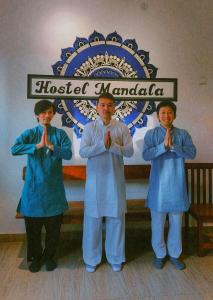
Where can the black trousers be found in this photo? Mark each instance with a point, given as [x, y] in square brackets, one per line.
[34, 226]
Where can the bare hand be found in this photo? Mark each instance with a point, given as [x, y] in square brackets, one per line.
[48, 144]
[42, 142]
[45, 141]
[107, 140]
[168, 139]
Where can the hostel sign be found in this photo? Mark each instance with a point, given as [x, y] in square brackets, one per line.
[95, 64]
[53, 87]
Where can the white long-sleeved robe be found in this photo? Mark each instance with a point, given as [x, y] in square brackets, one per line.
[105, 193]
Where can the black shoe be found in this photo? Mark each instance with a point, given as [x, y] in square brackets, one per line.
[180, 265]
[35, 266]
[50, 264]
[159, 263]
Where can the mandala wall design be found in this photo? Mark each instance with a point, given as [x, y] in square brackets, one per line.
[109, 57]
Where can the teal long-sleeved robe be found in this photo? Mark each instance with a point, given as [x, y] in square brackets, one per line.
[167, 185]
[43, 194]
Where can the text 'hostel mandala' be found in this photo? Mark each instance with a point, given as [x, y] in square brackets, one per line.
[109, 57]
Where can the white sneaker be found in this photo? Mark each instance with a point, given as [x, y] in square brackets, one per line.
[116, 267]
[90, 269]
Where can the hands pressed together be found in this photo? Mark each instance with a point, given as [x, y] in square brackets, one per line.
[107, 140]
[168, 139]
[45, 141]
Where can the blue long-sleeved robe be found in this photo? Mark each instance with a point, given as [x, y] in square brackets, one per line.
[43, 194]
[167, 185]
[105, 193]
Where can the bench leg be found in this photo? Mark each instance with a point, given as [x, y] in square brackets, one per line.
[186, 225]
[200, 238]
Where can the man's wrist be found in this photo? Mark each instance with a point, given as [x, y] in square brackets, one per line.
[50, 147]
[167, 147]
[38, 146]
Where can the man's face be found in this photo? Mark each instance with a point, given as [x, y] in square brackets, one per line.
[45, 117]
[166, 116]
[105, 108]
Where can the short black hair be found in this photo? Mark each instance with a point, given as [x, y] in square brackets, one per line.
[166, 103]
[106, 95]
[42, 106]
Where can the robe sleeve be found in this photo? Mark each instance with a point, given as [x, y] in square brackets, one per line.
[187, 150]
[87, 148]
[126, 149]
[150, 149]
[63, 150]
[22, 145]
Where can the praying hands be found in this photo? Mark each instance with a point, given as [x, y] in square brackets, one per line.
[45, 141]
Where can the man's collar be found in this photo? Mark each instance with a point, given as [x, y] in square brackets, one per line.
[41, 127]
[164, 128]
[102, 123]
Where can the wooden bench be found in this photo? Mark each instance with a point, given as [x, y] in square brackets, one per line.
[135, 207]
[199, 184]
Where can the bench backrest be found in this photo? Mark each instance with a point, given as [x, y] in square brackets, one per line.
[198, 177]
[78, 172]
[199, 182]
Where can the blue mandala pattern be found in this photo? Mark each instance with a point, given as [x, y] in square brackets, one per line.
[109, 57]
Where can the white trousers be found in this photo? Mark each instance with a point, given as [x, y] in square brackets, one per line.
[174, 239]
[114, 242]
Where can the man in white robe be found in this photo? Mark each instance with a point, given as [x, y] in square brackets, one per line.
[104, 143]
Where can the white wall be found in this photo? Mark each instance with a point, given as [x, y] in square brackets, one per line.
[178, 35]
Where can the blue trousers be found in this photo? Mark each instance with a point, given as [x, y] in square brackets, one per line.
[174, 239]
[114, 242]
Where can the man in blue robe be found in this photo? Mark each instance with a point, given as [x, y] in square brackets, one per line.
[43, 200]
[104, 143]
[167, 147]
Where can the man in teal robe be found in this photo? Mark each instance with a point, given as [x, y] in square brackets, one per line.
[43, 200]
